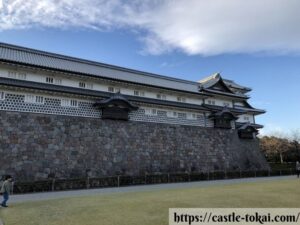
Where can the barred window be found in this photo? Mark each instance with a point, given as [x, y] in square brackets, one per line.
[161, 96]
[181, 99]
[49, 80]
[58, 81]
[82, 84]
[69, 103]
[139, 93]
[151, 111]
[22, 76]
[192, 116]
[29, 98]
[89, 86]
[114, 89]
[211, 102]
[172, 114]
[12, 74]
[39, 99]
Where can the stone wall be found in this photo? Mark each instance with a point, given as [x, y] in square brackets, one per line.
[36, 146]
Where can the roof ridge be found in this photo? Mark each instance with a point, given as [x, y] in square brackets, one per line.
[210, 77]
[91, 62]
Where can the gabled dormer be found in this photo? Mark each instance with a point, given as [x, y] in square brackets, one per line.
[215, 84]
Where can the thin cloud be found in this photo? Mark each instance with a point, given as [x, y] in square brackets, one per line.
[202, 27]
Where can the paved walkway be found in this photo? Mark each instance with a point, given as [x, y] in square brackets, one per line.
[140, 188]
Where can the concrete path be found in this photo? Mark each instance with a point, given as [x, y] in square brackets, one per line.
[140, 188]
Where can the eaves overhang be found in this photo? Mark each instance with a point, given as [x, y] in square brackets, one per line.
[220, 93]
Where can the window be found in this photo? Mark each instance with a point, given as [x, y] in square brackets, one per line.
[192, 116]
[211, 102]
[49, 80]
[22, 76]
[57, 81]
[246, 118]
[181, 99]
[16, 75]
[34, 99]
[12, 74]
[89, 86]
[226, 104]
[39, 99]
[82, 84]
[161, 96]
[29, 98]
[74, 103]
[151, 112]
[172, 114]
[69, 103]
[114, 89]
[139, 93]
[2, 95]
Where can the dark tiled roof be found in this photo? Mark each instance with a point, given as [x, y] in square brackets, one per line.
[245, 125]
[26, 56]
[231, 83]
[117, 97]
[255, 111]
[219, 108]
[207, 84]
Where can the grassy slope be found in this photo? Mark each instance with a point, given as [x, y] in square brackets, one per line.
[151, 207]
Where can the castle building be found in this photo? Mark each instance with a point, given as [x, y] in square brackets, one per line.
[67, 117]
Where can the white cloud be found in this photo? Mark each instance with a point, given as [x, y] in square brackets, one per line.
[195, 26]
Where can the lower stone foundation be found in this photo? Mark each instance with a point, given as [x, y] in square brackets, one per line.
[38, 146]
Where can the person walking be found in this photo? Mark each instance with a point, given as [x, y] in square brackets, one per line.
[298, 168]
[5, 190]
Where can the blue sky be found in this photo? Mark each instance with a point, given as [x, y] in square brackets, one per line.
[269, 63]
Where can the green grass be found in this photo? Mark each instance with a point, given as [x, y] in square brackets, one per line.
[151, 207]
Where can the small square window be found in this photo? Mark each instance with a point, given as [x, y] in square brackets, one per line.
[29, 98]
[39, 99]
[82, 84]
[139, 93]
[150, 111]
[114, 89]
[69, 103]
[74, 103]
[246, 118]
[89, 86]
[49, 80]
[22, 76]
[161, 96]
[192, 116]
[181, 99]
[58, 81]
[12, 74]
[172, 114]
[211, 102]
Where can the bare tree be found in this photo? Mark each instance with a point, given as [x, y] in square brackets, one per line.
[295, 138]
[275, 144]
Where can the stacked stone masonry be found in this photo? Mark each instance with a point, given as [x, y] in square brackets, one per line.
[36, 146]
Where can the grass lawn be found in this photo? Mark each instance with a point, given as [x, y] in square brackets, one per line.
[151, 207]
